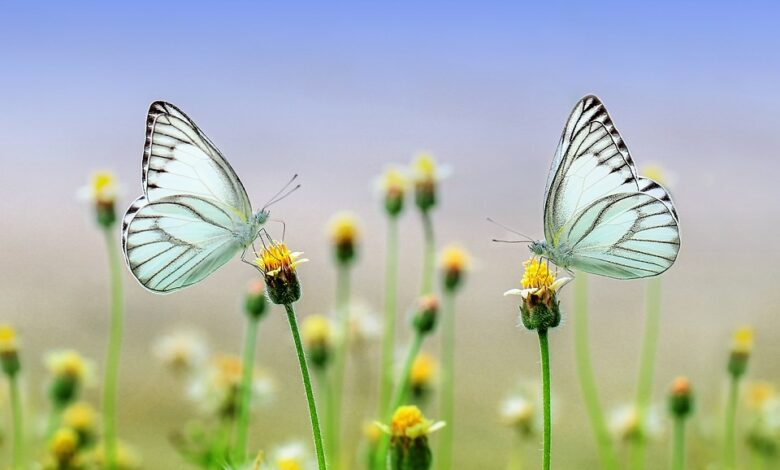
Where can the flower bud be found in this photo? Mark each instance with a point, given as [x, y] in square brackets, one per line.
[393, 186]
[316, 335]
[9, 351]
[741, 347]
[454, 263]
[681, 398]
[424, 320]
[344, 234]
[409, 432]
[278, 266]
[426, 176]
[256, 302]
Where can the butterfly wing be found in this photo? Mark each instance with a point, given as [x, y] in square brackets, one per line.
[177, 241]
[592, 171]
[180, 160]
[625, 236]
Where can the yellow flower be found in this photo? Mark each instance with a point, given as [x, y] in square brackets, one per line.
[316, 330]
[624, 423]
[343, 228]
[759, 394]
[80, 417]
[742, 341]
[409, 422]
[425, 169]
[372, 431]
[681, 387]
[8, 341]
[657, 173]
[537, 280]
[103, 188]
[278, 266]
[64, 444]
[70, 364]
[454, 261]
[423, 370]
[393, 182]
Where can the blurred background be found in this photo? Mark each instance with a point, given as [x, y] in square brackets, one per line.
[335, 92]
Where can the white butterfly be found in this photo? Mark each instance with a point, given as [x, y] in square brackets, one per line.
[194, 215]
[600, 216]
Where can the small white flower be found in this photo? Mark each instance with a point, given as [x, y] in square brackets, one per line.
[181, 351]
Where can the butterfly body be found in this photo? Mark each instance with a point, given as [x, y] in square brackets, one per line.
[194, 215]
[600, 216]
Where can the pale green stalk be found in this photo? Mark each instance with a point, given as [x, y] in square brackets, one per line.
[429, 253]
[18, 428]
[248, 364]
[730, 443]
[400, 395]
[326, 395]
[646, 367]
[544, 351]
[114, 348]
[585, 374]
[340, 362]
[678, 454]
[54, 420]
[315, 421]
[388, 335]
[448, 380]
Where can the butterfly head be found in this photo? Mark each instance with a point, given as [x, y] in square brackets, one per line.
[262, 216]
[538, 247]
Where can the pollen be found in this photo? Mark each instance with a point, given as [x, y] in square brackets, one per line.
[537, 275]
[278, 258]
[8, 341]
[406, 418]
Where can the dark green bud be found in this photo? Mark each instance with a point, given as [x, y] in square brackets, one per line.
[540, 311]
[256, 302]
[424, 320]
[410, 454]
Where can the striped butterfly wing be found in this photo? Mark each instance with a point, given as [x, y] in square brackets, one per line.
[180, 159]
[624, 236]
[592, 168]
[177, 241]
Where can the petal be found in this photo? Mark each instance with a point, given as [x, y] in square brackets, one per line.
[513, 292]
[555, 286]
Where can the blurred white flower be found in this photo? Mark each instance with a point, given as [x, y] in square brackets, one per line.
[181, 351]
[624, 423]
[290, 456]
[522, 410]
[217, 388]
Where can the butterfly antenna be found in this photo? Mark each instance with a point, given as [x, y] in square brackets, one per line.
[276, 197]
[283, 195]
[527, 238]
[499, 240]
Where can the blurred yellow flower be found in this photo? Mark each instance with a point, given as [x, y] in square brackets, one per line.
[519, 413]
[290, 456]
[8, 340]
[68, 363]
[63, 445]
[537, 280]
[759, 394]
[408, 421]
[742, 341]
[80, 417]
[372, 432]
[393, 182]
[127, 458]
[103, 188]
[423, 371]
[455, 258]
[624, 423]
[316, 330]
[343, 228]
[657, 173]
[425, 169]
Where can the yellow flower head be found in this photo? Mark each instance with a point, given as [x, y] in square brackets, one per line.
[126, 457]
[423, 370]
[424, 168]
[316, 329]
[343, 229]
[454, 258]
[80, 417]
[656, 173]
[289, 463]
[226, 371]
[393, 182]
[372, 431]
[69, 363]
[103, 187]
[277, 259]
[759, 394]
[742, 341]
[64, 444]
[8, 340]
[409, 422]
[537, 275]
[291, 456]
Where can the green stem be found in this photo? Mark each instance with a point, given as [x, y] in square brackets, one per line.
[328, 399]
[428, 254]
[585, 373]
[448, 380]
[315, 421]
[340, 362]
[54, 420]
[400, 395]
[678, 454]
[646, 367]
[16, 410]
[114, 348]
[388, 338]
[730, 444]
[544, 351]
[250, 342]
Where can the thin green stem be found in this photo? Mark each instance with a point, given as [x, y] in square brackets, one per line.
[250, 342]
[326, 396]
[646, 368]
[678, 453]
[448, 381]
[400, 395]
[18, 428]
[429, 253]
[114, 348]
[340, 362]
[544, 352]
[585, 374]
[315, 421]
[55, 417]
[730, 443]
[388, 335]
